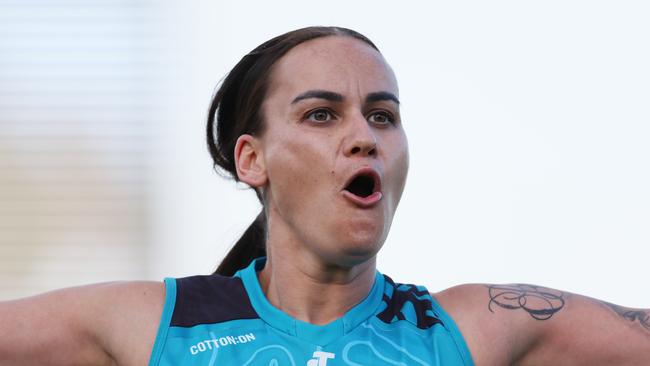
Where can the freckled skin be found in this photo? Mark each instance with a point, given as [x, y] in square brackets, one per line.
[308, 162]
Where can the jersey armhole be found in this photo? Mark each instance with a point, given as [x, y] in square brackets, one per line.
[449, 323]
[165, 321]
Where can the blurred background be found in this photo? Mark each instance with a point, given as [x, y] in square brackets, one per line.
[528, 125]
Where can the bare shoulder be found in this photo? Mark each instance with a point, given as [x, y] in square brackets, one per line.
[523, 324]
[493, 337]
[128, 320]
[103, 324]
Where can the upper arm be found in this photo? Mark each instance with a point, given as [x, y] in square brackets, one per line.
[490, 336]
[79, 326]
[592, 332]
[531, 325]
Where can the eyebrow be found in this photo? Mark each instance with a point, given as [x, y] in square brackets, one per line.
[382, 95]
[336, 97]
[319, 94]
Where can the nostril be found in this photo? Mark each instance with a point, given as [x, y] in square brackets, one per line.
[372, 152]
[355, 150]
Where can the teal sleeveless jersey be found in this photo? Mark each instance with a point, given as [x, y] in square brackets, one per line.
[216, 320]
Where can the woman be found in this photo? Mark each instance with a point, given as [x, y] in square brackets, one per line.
[310, 120]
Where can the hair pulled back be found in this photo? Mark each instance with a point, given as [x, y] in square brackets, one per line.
[235, 110]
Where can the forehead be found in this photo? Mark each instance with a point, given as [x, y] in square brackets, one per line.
[336, 63]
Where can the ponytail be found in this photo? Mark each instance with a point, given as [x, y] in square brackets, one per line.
[251, 245]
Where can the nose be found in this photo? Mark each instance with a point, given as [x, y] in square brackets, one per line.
[361, 139]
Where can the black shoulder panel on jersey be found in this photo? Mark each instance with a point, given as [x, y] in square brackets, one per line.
[210, 299]
[403, 294]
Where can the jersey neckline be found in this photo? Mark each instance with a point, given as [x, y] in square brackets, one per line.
[316, 334]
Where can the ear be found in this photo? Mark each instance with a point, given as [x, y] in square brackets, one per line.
[249, 161]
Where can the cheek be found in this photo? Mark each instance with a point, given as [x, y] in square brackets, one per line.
[398, 165]
[296, 172]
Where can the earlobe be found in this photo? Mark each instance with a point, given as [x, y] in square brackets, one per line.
[248, 161]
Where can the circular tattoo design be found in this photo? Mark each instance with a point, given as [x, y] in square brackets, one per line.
[541, 303]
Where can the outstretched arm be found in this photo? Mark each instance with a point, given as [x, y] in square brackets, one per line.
[520, 324]
[104, 324]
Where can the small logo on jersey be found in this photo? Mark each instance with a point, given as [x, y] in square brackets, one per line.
[215, 343]
[320, 358]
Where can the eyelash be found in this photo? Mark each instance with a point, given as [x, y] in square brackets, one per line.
[319, 110]
[390, 118]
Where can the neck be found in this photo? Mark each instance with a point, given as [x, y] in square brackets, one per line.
[307, 289]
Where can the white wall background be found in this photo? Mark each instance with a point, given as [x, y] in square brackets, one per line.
[528, 125]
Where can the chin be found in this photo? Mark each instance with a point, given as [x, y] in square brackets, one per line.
[355, 239]
[360, 246]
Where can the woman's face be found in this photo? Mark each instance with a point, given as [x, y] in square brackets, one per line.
[334, 151]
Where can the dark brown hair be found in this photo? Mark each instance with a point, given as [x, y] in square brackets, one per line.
[236, 110]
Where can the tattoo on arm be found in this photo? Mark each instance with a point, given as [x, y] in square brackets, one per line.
[632, 315]
[540, 302]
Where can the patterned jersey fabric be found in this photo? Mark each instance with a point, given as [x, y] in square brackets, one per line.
[216, 320]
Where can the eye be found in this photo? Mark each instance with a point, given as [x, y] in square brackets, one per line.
[319, 115]
[381, 118]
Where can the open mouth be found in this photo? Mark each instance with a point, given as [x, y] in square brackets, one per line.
[364, 188]
[362, 185]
